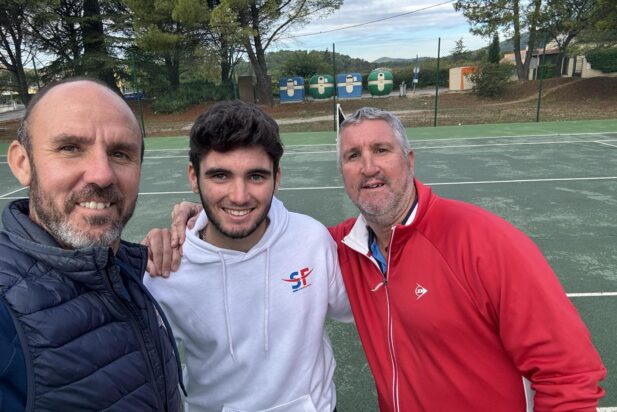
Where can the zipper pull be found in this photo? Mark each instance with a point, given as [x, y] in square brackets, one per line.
[379, 285]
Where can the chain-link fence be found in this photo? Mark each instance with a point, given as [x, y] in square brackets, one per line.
[449, 85]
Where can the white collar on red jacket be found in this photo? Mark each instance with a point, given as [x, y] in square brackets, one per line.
[357, 238]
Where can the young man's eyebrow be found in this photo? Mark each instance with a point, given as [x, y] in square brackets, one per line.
[259, 170]
[215, 170]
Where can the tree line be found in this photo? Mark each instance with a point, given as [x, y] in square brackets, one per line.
[163, 41]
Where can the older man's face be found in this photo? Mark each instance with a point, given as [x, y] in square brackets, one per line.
[85, 164]
[376, 173]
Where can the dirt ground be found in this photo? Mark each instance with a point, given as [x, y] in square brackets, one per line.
[562, 99]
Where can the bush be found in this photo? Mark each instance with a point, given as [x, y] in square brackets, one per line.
[492, 80]
[548, 70]
[426, 77]
[189, 94]
[604, 60]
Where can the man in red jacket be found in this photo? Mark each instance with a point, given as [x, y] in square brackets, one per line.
[456, 309]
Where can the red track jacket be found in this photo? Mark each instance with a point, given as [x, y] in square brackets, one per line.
[469, 309]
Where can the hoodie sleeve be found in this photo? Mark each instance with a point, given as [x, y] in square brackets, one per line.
[338, 303]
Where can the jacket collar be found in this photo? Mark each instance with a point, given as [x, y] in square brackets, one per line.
[358, 236]
[16, 220]
[78, 264]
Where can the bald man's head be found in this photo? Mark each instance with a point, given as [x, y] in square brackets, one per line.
[80, 151]
[23, 134]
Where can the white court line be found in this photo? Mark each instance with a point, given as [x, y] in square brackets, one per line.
[167, 157]
[14, 191]
[433, 140]
[424, 140]
[604, 142]
[591, 294]
[511, 144]
[516, 136]
[166, 150]
[427, 147]
[608, 409]
[184, 156]
[472, 145]
[565, 179]
[478, 182]
[475, 138]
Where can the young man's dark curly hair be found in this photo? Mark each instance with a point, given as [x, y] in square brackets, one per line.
[231, 125]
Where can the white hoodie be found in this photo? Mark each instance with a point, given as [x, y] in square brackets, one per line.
[252, 329]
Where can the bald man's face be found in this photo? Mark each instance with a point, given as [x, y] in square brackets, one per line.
[85, 164]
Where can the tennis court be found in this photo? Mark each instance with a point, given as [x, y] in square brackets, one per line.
[555, 181]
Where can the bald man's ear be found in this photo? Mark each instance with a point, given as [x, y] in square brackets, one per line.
[19, 162]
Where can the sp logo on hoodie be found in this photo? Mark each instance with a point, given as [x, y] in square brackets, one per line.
[298, 279]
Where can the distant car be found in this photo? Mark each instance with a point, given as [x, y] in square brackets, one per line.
[134, 95]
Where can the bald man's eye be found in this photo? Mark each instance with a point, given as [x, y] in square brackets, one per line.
[69, 148]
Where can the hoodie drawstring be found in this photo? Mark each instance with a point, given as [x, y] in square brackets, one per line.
[267, 302]
[226, 303]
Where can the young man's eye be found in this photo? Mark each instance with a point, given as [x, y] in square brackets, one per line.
[257, 178]
[218, 176]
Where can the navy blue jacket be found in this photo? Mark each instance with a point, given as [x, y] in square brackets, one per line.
[86, 334]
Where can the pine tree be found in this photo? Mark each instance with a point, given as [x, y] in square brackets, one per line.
[494, 53]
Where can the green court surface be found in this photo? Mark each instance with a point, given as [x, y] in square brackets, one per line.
[555, 181]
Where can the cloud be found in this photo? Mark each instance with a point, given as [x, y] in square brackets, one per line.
[398, 35]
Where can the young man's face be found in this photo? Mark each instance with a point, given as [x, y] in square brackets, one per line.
[84, 166]
[236, 190]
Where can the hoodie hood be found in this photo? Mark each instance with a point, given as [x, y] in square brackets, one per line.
[201, 252]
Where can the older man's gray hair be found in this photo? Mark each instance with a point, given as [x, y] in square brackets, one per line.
[372, 113]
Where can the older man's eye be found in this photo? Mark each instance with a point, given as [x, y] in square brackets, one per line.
[121, 155]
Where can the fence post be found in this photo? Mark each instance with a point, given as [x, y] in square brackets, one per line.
[141, 110]
[437, 82]
[334, 111]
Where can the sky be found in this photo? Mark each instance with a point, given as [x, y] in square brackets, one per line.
[416, 32]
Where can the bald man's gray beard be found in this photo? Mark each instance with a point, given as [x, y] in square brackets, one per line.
[58, 224]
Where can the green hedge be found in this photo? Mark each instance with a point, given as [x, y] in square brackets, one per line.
[604, 59]
[189, 94]
[426, 76]
[492, 80]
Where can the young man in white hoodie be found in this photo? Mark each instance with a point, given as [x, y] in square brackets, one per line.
[256, 282]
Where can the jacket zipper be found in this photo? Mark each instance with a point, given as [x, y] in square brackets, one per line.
[140, 338]
[395, 399]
